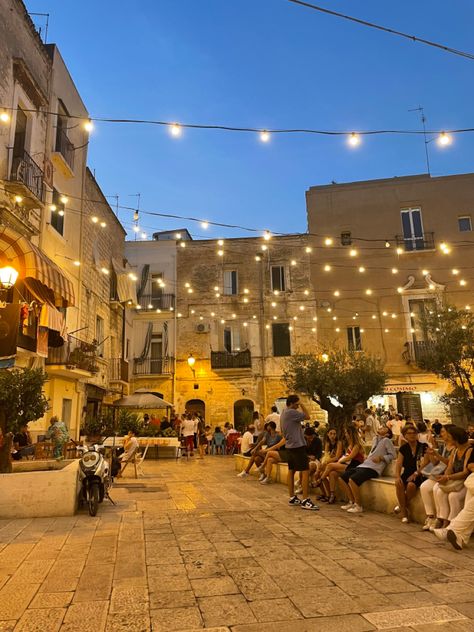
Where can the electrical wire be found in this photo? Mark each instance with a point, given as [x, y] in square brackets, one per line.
[386, 29]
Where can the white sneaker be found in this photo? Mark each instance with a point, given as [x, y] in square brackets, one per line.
[347, 507]
[242, 474]
[298, 489]
[396, 509]
[441, 534]
[355, 509]
[262, 476]
[266, 481]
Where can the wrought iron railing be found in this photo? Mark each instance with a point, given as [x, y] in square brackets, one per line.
[234, 360]
[415, 244]
[417, 351]
[118, 370]
[148, 302]
[64, 147]
[153, 366]
[25, 170]
[75, 353]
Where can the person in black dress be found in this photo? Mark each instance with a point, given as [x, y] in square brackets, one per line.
[410, 461]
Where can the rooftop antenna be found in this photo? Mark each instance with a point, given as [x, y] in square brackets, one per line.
[421, 110]
[43, 15]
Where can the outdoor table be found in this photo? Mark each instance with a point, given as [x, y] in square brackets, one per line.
[162, 445]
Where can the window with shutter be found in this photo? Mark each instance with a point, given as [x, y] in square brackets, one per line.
[278, 278]
[281, 339]
[354, 341]
[230, 282]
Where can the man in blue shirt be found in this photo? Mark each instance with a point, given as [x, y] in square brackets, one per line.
[295, 443]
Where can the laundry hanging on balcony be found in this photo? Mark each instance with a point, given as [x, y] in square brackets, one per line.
[146, 348]
[125, 289]
[143, 280]
[31, 262]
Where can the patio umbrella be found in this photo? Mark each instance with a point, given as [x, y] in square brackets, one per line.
[142, 400]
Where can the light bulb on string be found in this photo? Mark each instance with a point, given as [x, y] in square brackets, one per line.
[135, 216]
[361, 269]
[328, 241]
[143, 235]
[175, 130]
[77, 263]
[454, 271]
[89, 126]
[136, 229]
[354, 139]
[444, 139]
[394, 270]
[95, 219]
[264, 136]
[63, 199]
[205, 225]
[102, 224]
[327, 268]
[399, 251]
[387, 244]
[61, 213]
[53, 207]
[267, 235]
[353, 252]
[4, 117]
[18, 199]
[293, 262]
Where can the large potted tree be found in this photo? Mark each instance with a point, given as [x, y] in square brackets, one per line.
[336, 379]
[21, 400]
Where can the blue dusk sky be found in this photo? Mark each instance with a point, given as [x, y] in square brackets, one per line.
[264, 64]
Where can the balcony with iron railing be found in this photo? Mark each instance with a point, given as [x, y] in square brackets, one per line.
[148, 302]
[231, 360]
[417, 351]
[26, 177]
[65, 148]
[416, 244]
[153, 366]
[74, 354]
[118, 370]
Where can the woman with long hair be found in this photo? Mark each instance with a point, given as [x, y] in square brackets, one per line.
[353, 456]
[410, 461]
[332, 451]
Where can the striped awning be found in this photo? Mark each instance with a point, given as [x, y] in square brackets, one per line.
[30, 262]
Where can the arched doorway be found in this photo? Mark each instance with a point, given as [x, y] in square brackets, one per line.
[196, 406]
[243, 409]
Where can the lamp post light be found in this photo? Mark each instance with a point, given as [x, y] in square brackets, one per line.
[8, 277]
[191, 363]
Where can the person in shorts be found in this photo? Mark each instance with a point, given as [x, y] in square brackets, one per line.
[295, 443]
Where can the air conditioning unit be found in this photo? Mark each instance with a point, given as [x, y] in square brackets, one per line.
[202, 328]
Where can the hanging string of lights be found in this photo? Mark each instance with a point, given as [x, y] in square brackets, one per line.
[353, 137]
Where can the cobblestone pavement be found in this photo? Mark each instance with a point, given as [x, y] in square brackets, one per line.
[191, 546]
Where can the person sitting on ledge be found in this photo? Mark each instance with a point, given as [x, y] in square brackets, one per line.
[269, 439]
[461, 527]
[381, 454]
[246, 443]
[22, 443]
[314, 449]
[410, 462]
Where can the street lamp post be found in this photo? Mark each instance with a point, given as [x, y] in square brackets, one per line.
[8, 277]
[191, 363]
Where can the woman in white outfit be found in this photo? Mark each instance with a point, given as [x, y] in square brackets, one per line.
[449, 492]
[437, 460]
[460, 529]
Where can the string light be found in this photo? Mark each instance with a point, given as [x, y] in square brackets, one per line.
[400, 290]
[462, 282]
[327, 268]
[387, 244]
[257, 258]
[445, 249]
[143, 235]
[132, 276]
[177, 235]
[53, 207]
[425, 272]
[4, 117]
[136, 229]
[220, 253]
[394, 270]
[263, 247]
[361, 269]
[105, 271]
[306, 292]
[399, 251]
[337, 293]
[182, 244]
[368, 292]
[102, 224]
[175, 129]
[353, 252]
[18, 199]
[308, 249]
[220, 242]
[454, 271]
[61, 213]
[205, 225]
[264, 136]
[267, 235]
[444, 139]
[63, 199]
[94, 219]
[328, 241]
[77, 263]
[89, 126]
[354, 139]
[293, 262]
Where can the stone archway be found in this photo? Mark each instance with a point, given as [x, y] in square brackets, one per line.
[243, 409]
[196, 406]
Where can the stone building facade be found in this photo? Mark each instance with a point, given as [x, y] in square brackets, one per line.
[47, 231]
[243, 307]
[384, 250]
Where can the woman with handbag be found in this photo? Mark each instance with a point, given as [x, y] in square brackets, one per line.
[449, 491]
[460, 529]
[409, 464]
[437, 464]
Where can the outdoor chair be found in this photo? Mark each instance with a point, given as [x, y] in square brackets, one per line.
[233, 443]
[44, 450]
[218, 443]
[70, 450]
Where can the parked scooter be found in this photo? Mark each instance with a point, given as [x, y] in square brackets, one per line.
[96, 479]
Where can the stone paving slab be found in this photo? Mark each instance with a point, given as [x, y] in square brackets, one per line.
[211, 551]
